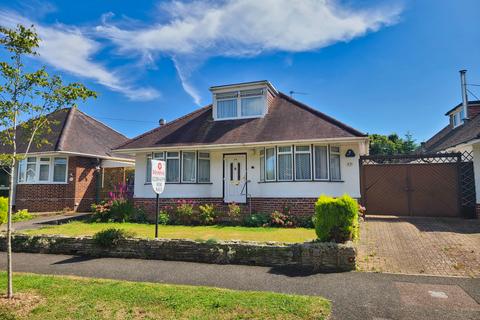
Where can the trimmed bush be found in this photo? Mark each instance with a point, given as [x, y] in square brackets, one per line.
[336, 219]
[163, 218]
[109, 238]
[21, 215]
[207, 214]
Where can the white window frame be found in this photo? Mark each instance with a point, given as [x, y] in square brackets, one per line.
[339, 153]
[291, 158]
[239, 95]
[274, 165]
[194, 166]
[309, 152]
[179, 158]
[200, 157]
[51, 167]
[328, 162]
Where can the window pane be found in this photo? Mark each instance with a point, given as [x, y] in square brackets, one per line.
[21, 170]
[148, 173]
[204, 155]
[321, 165]
[203, 170]
[173, 170]
[44, 172]
[302, 148]
[60, 170]
[302, 166]
[285, 167]
[252, 106]
[335, 167]
[158, 155]
[174, 154]
[31, 172]
[270, 164]
[285, 149]
[188, 166]
[227, 108]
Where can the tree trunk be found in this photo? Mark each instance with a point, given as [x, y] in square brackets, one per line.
[9, 233]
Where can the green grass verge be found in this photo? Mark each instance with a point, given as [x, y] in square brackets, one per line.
[184, 232]
[81, 298]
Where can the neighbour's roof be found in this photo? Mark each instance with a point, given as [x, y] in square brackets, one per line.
[450, 137]
[73, 131]
[286, 120]
[470, 103]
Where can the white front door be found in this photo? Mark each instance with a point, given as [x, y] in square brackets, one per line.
[235, 178]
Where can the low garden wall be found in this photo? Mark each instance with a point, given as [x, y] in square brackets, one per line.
[326, 257]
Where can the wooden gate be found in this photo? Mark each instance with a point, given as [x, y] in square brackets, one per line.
[413, 185]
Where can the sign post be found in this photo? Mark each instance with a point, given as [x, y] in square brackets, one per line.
[158, 184]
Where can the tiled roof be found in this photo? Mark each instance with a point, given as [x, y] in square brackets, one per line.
[74, 131]
[286, 120]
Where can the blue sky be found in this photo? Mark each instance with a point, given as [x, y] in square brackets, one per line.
[379, 66]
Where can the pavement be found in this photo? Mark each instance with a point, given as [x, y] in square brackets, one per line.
[46, 219]
[355, 295]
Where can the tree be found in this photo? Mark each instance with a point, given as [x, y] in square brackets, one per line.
[392, 144]
[26, 98]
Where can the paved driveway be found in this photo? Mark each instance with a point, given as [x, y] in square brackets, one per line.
[413, 245]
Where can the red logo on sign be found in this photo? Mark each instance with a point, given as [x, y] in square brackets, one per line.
[159, 166]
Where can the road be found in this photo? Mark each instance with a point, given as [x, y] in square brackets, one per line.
[355, 295]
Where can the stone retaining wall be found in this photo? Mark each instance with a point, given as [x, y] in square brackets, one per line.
[327, 257]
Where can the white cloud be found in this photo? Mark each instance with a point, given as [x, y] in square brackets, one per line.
[69, 49]
[203, 29]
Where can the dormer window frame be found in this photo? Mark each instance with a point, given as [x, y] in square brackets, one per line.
[457, 118]
[239, 96]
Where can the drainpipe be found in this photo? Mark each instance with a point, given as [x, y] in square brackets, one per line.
[463, 81]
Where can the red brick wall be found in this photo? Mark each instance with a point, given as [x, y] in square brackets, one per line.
[298, 206]
[76, 195]
[473, 111]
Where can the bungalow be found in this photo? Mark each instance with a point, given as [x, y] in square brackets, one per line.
[65, 172]
[253, 146]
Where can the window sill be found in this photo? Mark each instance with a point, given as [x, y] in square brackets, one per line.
[298, 181]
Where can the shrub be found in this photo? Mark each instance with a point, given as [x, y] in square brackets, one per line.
[21, 215]
[279, 219]
[120, 210]
[233, 211]
[3, 209]
[163, 218]
[305, 222]
[101, 211]
[256, 220]
[184, 212]
[336, 219]
[207, 215]
[109, 238]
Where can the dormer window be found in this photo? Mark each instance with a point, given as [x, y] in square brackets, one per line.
[240, 104]
[457, 118]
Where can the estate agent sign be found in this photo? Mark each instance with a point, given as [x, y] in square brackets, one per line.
[158, 184]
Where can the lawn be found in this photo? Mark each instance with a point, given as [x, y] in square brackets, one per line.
[184, 232]
[59, 297]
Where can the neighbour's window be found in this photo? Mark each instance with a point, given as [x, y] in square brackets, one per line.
[188, 166]
[335, 163]
[321, 162]
[42, 170]
[270, 164]
[173, 166]
[285, 163]
[252, 102]
[227, 105]
[302, 163]
[60, 170]
[262, 165]
[203, 167]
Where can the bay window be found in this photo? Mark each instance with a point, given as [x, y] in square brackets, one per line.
[285, 163]
[303, 170]
[188, 166]
[42, 170]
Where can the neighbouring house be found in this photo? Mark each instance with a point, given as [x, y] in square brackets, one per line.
[462, 134]
[253, 146]
[66, 172]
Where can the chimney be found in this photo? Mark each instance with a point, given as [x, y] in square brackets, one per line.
[162, 122]
[463, 81]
